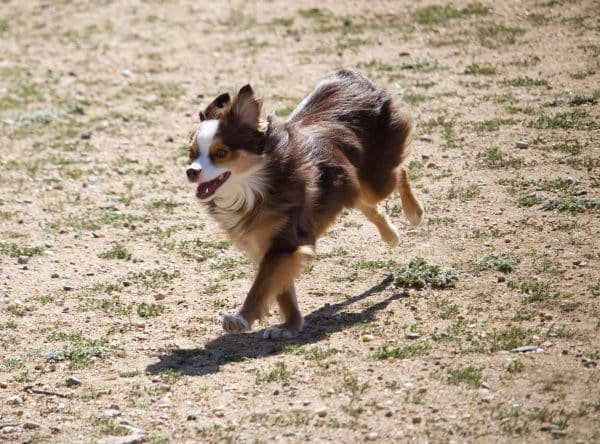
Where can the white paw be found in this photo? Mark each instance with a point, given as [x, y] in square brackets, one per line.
[415, 219]
[234, 323]
[278, 333]
[392, 238]
[415, 216]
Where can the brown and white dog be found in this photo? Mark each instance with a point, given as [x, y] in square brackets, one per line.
[275, 187]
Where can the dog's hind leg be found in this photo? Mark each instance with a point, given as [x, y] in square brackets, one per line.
[388, 232]
[413, 210]
[292, 318]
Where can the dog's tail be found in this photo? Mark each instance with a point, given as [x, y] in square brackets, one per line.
[413, 210]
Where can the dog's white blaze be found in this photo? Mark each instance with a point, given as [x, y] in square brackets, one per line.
[204, 138]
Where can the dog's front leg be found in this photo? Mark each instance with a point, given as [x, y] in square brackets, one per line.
[275, 276]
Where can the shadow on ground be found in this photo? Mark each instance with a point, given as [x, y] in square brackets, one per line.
[235, 348]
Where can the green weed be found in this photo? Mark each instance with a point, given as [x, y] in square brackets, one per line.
[107, 426]
[576, 119]
[494, 158]
[146, 310]
[510, 338]
[386, 351]
[463, 194]
[492, 125]
[118, 251]
[162, 204]
[14, 250]
[523, 82]
[476, 69]
[492, 35]
[81, 352]
[535, 291]
[279, 373]
[437, 15]
[501, 262]
[419, 274]
[470, 376]
[169, 376]
[571, 204]
[154, 278]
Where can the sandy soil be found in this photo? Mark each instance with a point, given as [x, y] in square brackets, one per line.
[111, 275]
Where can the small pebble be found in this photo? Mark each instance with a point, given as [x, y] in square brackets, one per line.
[23, 260]
[417, 420]
[164, 402]
[413, 335]
[367, 338]
[372, 436]
[86, 135]
[321, 412]
[73, 381]
[140, 325]
[15, 400]
[522, 144]
[158, 297]
[31, 425]
[111, 413]
[526, 349]
[129, 439]
[68, 287]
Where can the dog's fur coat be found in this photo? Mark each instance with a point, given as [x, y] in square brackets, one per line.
[276, 187]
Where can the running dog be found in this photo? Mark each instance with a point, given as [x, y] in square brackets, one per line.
[275, 187]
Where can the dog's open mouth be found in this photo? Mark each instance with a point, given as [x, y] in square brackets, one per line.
[207, 189]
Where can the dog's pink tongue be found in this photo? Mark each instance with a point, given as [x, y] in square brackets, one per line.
[207, 189]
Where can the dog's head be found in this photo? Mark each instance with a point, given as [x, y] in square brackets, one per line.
[226, 149]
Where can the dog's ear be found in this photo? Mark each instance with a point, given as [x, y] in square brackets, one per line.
[217, 108]
[222, 100]
[247, 107]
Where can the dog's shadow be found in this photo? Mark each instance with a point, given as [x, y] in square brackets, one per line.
[241, 347]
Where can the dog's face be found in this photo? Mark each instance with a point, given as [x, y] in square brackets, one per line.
[225, 149]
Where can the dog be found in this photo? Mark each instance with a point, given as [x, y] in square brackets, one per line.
[275, 187]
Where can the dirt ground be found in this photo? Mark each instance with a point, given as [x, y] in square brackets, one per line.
[111, 274]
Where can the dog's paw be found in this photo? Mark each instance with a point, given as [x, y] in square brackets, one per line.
[278, 333]
[234, 323]
[392, 237]
[415, 215]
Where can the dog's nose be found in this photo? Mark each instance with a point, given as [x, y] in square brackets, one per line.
[192, 174]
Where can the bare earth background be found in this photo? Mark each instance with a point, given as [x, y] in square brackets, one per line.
[111, 275]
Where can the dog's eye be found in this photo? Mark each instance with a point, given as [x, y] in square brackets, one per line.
[221, 153]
